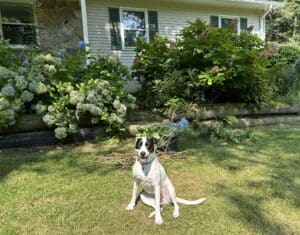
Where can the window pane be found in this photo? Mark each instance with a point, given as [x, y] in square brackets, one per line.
[228, 23]
[19, 34]
[131, 37]
[16, 14]
[134, 19]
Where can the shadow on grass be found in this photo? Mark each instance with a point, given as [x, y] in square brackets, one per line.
[249, 212]
[74, 158]
[276, 152]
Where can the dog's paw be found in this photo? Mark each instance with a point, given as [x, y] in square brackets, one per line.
[158, 220]
[176, 214]
[130, 207]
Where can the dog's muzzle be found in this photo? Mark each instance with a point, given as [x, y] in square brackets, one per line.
[142, 157]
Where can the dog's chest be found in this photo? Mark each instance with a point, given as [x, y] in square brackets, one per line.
[145, 177]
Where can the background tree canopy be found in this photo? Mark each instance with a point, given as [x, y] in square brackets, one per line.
[284, 23]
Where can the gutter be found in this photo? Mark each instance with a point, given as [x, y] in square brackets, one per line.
[85, 27]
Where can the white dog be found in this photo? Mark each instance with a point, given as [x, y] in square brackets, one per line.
[157, 188]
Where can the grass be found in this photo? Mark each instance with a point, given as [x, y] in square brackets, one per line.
[252, 188]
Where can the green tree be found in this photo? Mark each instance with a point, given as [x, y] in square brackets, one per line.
[284, 23]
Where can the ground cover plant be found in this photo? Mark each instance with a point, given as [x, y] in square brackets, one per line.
[252, 188]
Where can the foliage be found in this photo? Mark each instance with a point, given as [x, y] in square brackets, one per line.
[8, 58]
[64, 93]
[14, 93]
[164, 133]
[285, 74]
[284, 23]
[220, 132]
[285, 54]
[205, 65]
[153, 61]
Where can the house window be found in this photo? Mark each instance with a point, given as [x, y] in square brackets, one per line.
[230, 22]
[134, 27]
[129, 25]
[17, 24]
[240, 24]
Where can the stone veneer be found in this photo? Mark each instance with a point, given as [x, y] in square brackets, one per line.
[59, 23]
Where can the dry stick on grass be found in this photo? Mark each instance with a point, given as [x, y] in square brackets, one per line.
[126, 160]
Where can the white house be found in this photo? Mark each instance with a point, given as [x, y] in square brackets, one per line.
[111, 27]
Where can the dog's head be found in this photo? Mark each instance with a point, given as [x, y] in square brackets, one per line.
[145, 148]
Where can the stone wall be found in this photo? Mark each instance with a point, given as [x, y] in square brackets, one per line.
[59, 23]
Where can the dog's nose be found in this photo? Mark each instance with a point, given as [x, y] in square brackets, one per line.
[143, 154]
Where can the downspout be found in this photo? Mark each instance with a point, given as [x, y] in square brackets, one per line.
[263, 20]
[85, 27]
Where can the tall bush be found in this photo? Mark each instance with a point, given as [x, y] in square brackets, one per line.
[205, 64]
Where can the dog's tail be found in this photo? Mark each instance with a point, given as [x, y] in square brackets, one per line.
[188, 202]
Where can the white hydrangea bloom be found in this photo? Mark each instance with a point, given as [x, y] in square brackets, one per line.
[17, 104]
[10, 114]
[60, 132]
[41, 88]
[8, 90]
[32, 85]
[76, 97]
[21, 83]
[116, 119]
[73, 128]
[6, 74]
[50, 68]
[95, 111]
[105, 92]
[49, 119]
[91, 96]
[122, 110]
[4, 103]
[106, 84]
[116, 104]
[26, 96]
[40, 108]
[51, 109]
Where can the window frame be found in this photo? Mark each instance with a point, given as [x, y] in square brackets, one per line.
[34, 23]
[220, 17]
[122, 28]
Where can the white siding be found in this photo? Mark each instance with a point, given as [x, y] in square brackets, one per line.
[171, 19]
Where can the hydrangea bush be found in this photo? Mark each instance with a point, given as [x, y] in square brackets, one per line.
[54, 90]
[12, 97]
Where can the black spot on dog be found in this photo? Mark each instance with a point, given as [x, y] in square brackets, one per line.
[150, 141]
[138, 143]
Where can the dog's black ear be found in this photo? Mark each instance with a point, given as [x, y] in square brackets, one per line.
[154, 140]
[138, 142]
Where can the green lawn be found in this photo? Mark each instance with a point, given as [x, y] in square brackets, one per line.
[253, 188]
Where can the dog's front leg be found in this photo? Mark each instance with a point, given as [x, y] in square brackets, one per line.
[131, 205]
[158, 218]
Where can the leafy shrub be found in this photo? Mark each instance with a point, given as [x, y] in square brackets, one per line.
[63, 95]
[285, 72]
[219, 132]
[8, 58]
[205, 65]
[152, 62]
[99, 96]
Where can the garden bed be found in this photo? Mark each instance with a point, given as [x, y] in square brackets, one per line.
[31, 131]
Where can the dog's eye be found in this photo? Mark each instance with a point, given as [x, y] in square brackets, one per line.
[147, 144]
